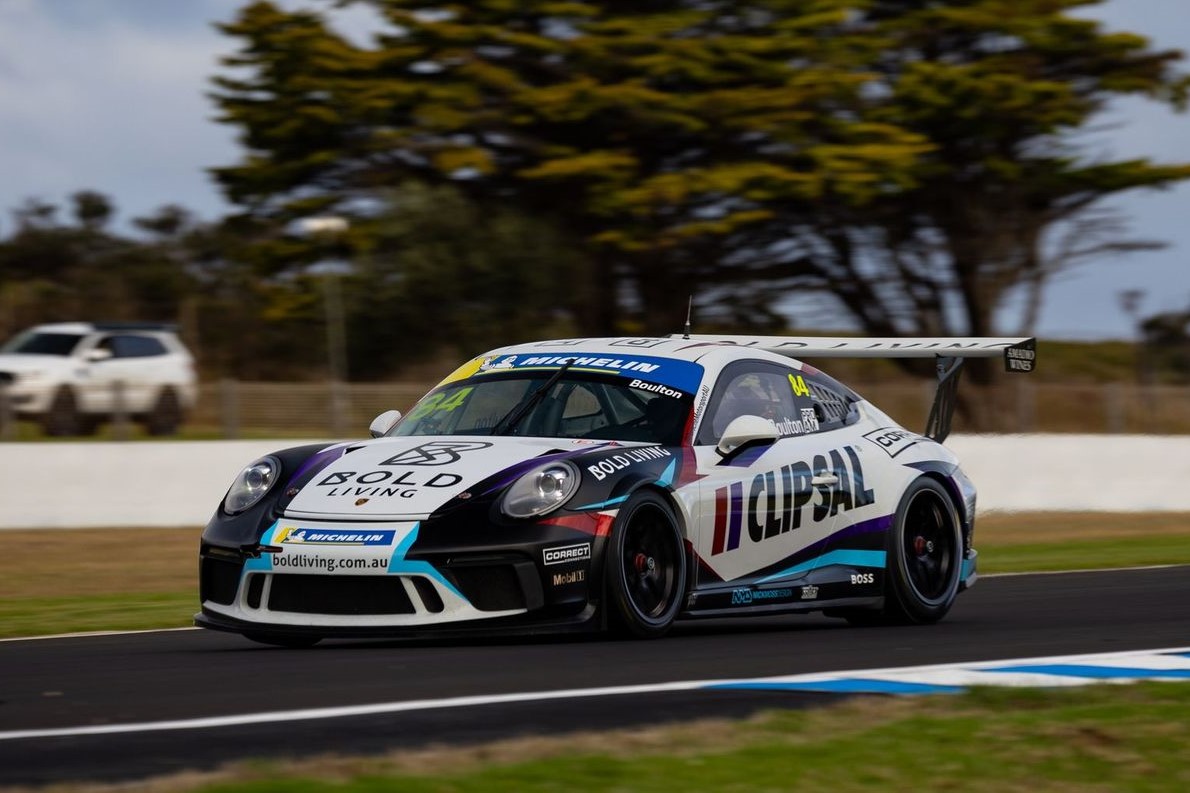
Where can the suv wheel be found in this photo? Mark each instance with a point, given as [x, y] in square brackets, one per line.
[166, 414]
[63, 417]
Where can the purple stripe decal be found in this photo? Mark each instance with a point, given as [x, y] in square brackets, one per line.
[318, 461]
[737, 514]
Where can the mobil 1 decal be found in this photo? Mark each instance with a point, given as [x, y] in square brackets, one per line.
[782, 500]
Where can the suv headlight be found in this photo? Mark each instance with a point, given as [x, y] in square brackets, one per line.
[251, 485]
[541, 490]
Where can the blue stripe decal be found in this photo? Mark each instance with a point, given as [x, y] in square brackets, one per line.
[847, 685]
[968, 569]
[264, 562]
[1098, 672]
[667, 476]
[400, 565]
[842, 557]
[601, 504]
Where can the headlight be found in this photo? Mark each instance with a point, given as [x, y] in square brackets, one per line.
[541, 490]
[251, 485]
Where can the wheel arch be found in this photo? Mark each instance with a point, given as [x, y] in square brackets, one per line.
[944, 476]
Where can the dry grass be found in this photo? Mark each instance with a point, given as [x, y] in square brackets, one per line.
[81, 562]
[1021, 528]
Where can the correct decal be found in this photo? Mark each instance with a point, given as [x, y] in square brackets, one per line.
[567, 553]
[893, 440]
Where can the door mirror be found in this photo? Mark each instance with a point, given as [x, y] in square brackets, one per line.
[97, 354]
[384, 422]
[747, 431]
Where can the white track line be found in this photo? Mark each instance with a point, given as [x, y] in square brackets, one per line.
[1084, 570]
[90, 634]
[306, 714]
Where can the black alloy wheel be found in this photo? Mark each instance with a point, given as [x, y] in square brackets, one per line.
[646, 567]
[924, 560]
[925, 554]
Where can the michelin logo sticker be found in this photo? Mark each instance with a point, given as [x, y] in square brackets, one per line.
[301, 536]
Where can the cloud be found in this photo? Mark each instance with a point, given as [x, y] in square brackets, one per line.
[104, 101]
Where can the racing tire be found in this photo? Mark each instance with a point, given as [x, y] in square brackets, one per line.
[166, 414]
[924, 560]
[646, 568]
[62, 418]
[291, 640]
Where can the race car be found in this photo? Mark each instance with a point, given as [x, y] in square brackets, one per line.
[621, 483]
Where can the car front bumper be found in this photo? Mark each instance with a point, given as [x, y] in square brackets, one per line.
[366, 580]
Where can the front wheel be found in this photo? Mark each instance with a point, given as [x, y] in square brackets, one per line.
[646, 567]
[63, 419]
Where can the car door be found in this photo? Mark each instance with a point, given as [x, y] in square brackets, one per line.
[130, 367]
[767, 512]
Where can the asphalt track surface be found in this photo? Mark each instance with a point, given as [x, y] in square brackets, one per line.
[132, 678]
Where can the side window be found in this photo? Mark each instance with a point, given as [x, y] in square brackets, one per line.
[760, 388]
[129, 346]
[833, 402]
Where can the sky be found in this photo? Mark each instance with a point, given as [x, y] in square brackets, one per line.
[110, 95]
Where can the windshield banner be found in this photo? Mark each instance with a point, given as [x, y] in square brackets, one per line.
[648, 370]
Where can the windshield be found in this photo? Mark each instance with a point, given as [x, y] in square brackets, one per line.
[575, 405]
[33, 343]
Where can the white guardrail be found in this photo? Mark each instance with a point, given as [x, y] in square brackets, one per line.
[142, 484]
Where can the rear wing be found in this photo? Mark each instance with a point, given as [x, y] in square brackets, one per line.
[1020, 355]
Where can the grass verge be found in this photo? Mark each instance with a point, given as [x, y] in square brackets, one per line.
[1102, 738]
[62, 581]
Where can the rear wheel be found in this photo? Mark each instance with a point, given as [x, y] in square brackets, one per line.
[63, 417]
[924, 561]
[166, 414]
[646, 567]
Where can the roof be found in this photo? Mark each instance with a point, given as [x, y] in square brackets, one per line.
[92, 327]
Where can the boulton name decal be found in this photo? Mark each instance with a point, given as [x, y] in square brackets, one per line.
[656, 388]
[777, 501]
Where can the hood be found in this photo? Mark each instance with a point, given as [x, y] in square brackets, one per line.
[411, 477]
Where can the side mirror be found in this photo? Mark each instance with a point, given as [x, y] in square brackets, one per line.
[747, 430]
[384, 422]
[97, 354]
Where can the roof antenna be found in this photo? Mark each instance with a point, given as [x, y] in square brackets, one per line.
[689, 310]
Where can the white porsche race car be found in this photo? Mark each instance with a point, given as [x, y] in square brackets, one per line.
[594, 483]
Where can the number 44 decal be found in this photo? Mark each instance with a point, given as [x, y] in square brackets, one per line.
[799, 385]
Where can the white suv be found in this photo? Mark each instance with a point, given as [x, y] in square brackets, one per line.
[70, 376]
